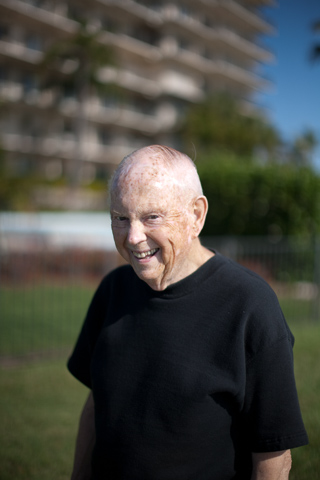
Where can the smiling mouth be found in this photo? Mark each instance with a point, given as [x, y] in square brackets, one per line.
[149, 253]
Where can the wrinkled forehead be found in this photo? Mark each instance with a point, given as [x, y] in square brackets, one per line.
[147, 176]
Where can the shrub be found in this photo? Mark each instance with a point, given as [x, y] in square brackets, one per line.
[252, 199]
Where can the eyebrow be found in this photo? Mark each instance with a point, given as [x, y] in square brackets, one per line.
[115, 211]
[142, 212]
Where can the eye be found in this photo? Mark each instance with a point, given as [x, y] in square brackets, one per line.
[152, 218]
[118, 220]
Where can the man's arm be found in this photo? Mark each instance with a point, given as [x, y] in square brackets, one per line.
[85, 442]
[271, 465]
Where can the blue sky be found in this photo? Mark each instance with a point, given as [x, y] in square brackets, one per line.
[293, 104]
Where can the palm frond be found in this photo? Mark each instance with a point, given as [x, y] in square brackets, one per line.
[315, 53]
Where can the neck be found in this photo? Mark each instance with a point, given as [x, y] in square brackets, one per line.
[201, 254]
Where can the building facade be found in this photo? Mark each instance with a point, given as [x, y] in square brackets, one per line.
[168, 55]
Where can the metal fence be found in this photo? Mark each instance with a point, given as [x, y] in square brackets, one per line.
[45, 287]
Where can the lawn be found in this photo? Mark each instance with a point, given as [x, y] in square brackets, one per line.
[40, 406]
[306, 460]
[37, 318]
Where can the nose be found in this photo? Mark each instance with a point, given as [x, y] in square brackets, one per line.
[136, 233]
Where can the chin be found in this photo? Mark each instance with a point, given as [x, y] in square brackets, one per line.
[146, 278]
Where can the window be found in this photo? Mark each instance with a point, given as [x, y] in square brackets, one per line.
[104, 136]
[4, 31]
[34, 42]
[29, 83]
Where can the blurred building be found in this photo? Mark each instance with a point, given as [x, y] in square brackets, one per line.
[168, 55]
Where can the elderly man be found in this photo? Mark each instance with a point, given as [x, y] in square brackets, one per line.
[187, 353]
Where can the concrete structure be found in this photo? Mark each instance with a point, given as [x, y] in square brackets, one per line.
[37, 231]
[168, 54]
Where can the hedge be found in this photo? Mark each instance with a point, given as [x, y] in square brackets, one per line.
[252, 199]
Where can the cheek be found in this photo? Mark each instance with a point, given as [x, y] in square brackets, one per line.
[118, 236]
[179, 235]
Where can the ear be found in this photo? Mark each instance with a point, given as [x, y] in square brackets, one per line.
[200, 209]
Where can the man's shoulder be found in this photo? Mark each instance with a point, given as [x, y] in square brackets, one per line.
[125, 269]
[246, 287]
[123, 273]
[252, 298]
[239, 275]
[116, 284]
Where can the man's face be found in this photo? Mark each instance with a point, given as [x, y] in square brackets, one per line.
[152, 225]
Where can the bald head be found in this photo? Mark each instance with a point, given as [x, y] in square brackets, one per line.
[160, 165]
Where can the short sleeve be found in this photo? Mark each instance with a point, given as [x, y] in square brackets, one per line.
[272, 411]
[80, 360]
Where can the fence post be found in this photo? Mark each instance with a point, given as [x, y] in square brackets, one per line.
[316, 277]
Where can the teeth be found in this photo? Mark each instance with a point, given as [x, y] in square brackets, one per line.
[145, 254]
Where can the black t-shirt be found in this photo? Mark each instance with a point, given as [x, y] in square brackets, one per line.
[189, 381]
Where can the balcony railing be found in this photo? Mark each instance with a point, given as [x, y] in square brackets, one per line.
[19, 51]
[40, 15]
[65, 149]
[219, 67]
[248, 16]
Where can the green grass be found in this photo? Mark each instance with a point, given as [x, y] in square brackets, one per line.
[297, 309]
[41, 317]
[40, 407]
[306, 460]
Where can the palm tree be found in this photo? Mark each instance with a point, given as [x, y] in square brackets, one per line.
[75, 64]
[218, 124]
[303, 147]
[315, 50]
